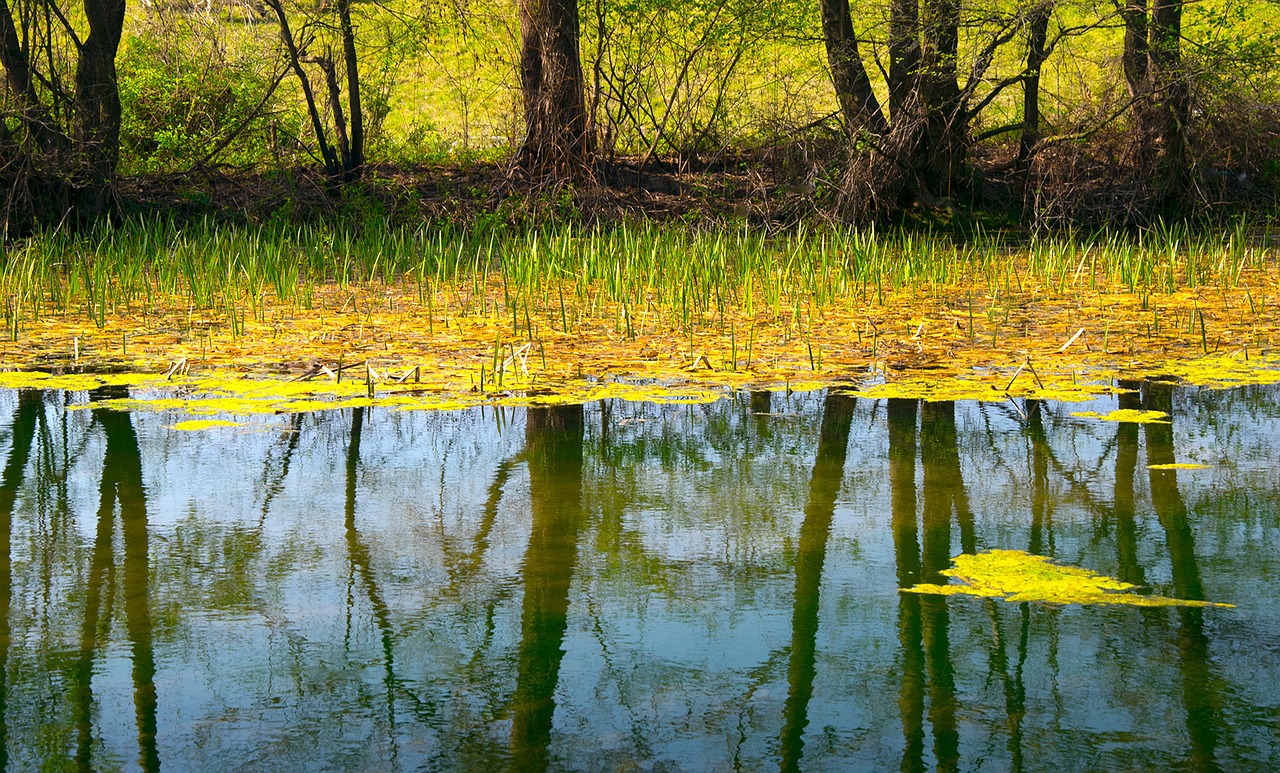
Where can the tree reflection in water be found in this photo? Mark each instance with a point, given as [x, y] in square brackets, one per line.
[923, 623]
[824, 487]
[729, 611]
[22, 431]
[121, 486]
[1199, 690]
[553, 450]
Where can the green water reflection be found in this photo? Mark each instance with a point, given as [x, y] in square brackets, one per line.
[631, 587]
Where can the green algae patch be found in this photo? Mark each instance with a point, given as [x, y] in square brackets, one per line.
[195, 425]
[1178, 466]
[1127, 416]
[1016, 576]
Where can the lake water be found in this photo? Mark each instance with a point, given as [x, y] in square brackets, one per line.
[624, 586]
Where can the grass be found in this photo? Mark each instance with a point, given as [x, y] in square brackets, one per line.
[695, 280]
[508, 314]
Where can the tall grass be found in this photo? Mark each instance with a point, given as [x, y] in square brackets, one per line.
[696, 279]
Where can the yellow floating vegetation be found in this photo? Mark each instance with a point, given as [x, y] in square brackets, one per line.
[1127, 416]
[1015, 576]
[475, 340]
[976, 387]
[193, 425]
[1178, 466]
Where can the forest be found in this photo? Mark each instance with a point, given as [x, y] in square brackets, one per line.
[1052, 114]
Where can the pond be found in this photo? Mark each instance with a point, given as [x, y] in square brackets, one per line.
[630, 586]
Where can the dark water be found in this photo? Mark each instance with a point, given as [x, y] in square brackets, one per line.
[632, 587]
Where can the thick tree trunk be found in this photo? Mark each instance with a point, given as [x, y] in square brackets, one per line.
[1037, 40]
[904, 57]
[944, 143]
[556, 142]
[1133, 61]
[97, 103]
[858, 103]
[1171, 106]
[1152, 63]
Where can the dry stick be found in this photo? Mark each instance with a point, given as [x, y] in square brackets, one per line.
[1072, 340]
[308, 375]
[1016, 373]
[1032, 368]
[521, 354]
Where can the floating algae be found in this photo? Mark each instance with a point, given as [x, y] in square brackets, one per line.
[193, 425]
[1127, 415]
[1014, 575]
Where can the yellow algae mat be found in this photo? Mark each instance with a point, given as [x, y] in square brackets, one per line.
[386, 344]
[1014, 575]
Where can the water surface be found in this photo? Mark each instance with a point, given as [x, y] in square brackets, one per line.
[635, 587]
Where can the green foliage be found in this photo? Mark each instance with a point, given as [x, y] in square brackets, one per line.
[181, 107]
[689, 77]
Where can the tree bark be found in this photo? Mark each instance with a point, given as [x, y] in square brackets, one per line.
[945, 124]
[355, 158]
[16, 61]
[904, 56]
[1171, 107]
[1037, 40]
[1152, 63]
[556, 142]
[858, 103]
[97, 103]
[1133, 61]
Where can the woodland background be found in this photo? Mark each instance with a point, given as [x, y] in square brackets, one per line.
[1048, 113]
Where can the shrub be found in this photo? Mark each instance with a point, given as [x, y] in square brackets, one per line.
[183, 106]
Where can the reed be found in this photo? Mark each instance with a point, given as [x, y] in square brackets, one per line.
[553, 277]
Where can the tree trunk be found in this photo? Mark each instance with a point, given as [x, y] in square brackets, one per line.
[904, 56]
[97, 103]
[355, 159]
[858, 104]
[1152, 63]
[1037, 40]
[1171, 106]
[1133, 61]
[15, 60]
[556, 143]
[945, 125]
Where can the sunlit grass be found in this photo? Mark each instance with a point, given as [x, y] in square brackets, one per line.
[556, 310]
[697, 279]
